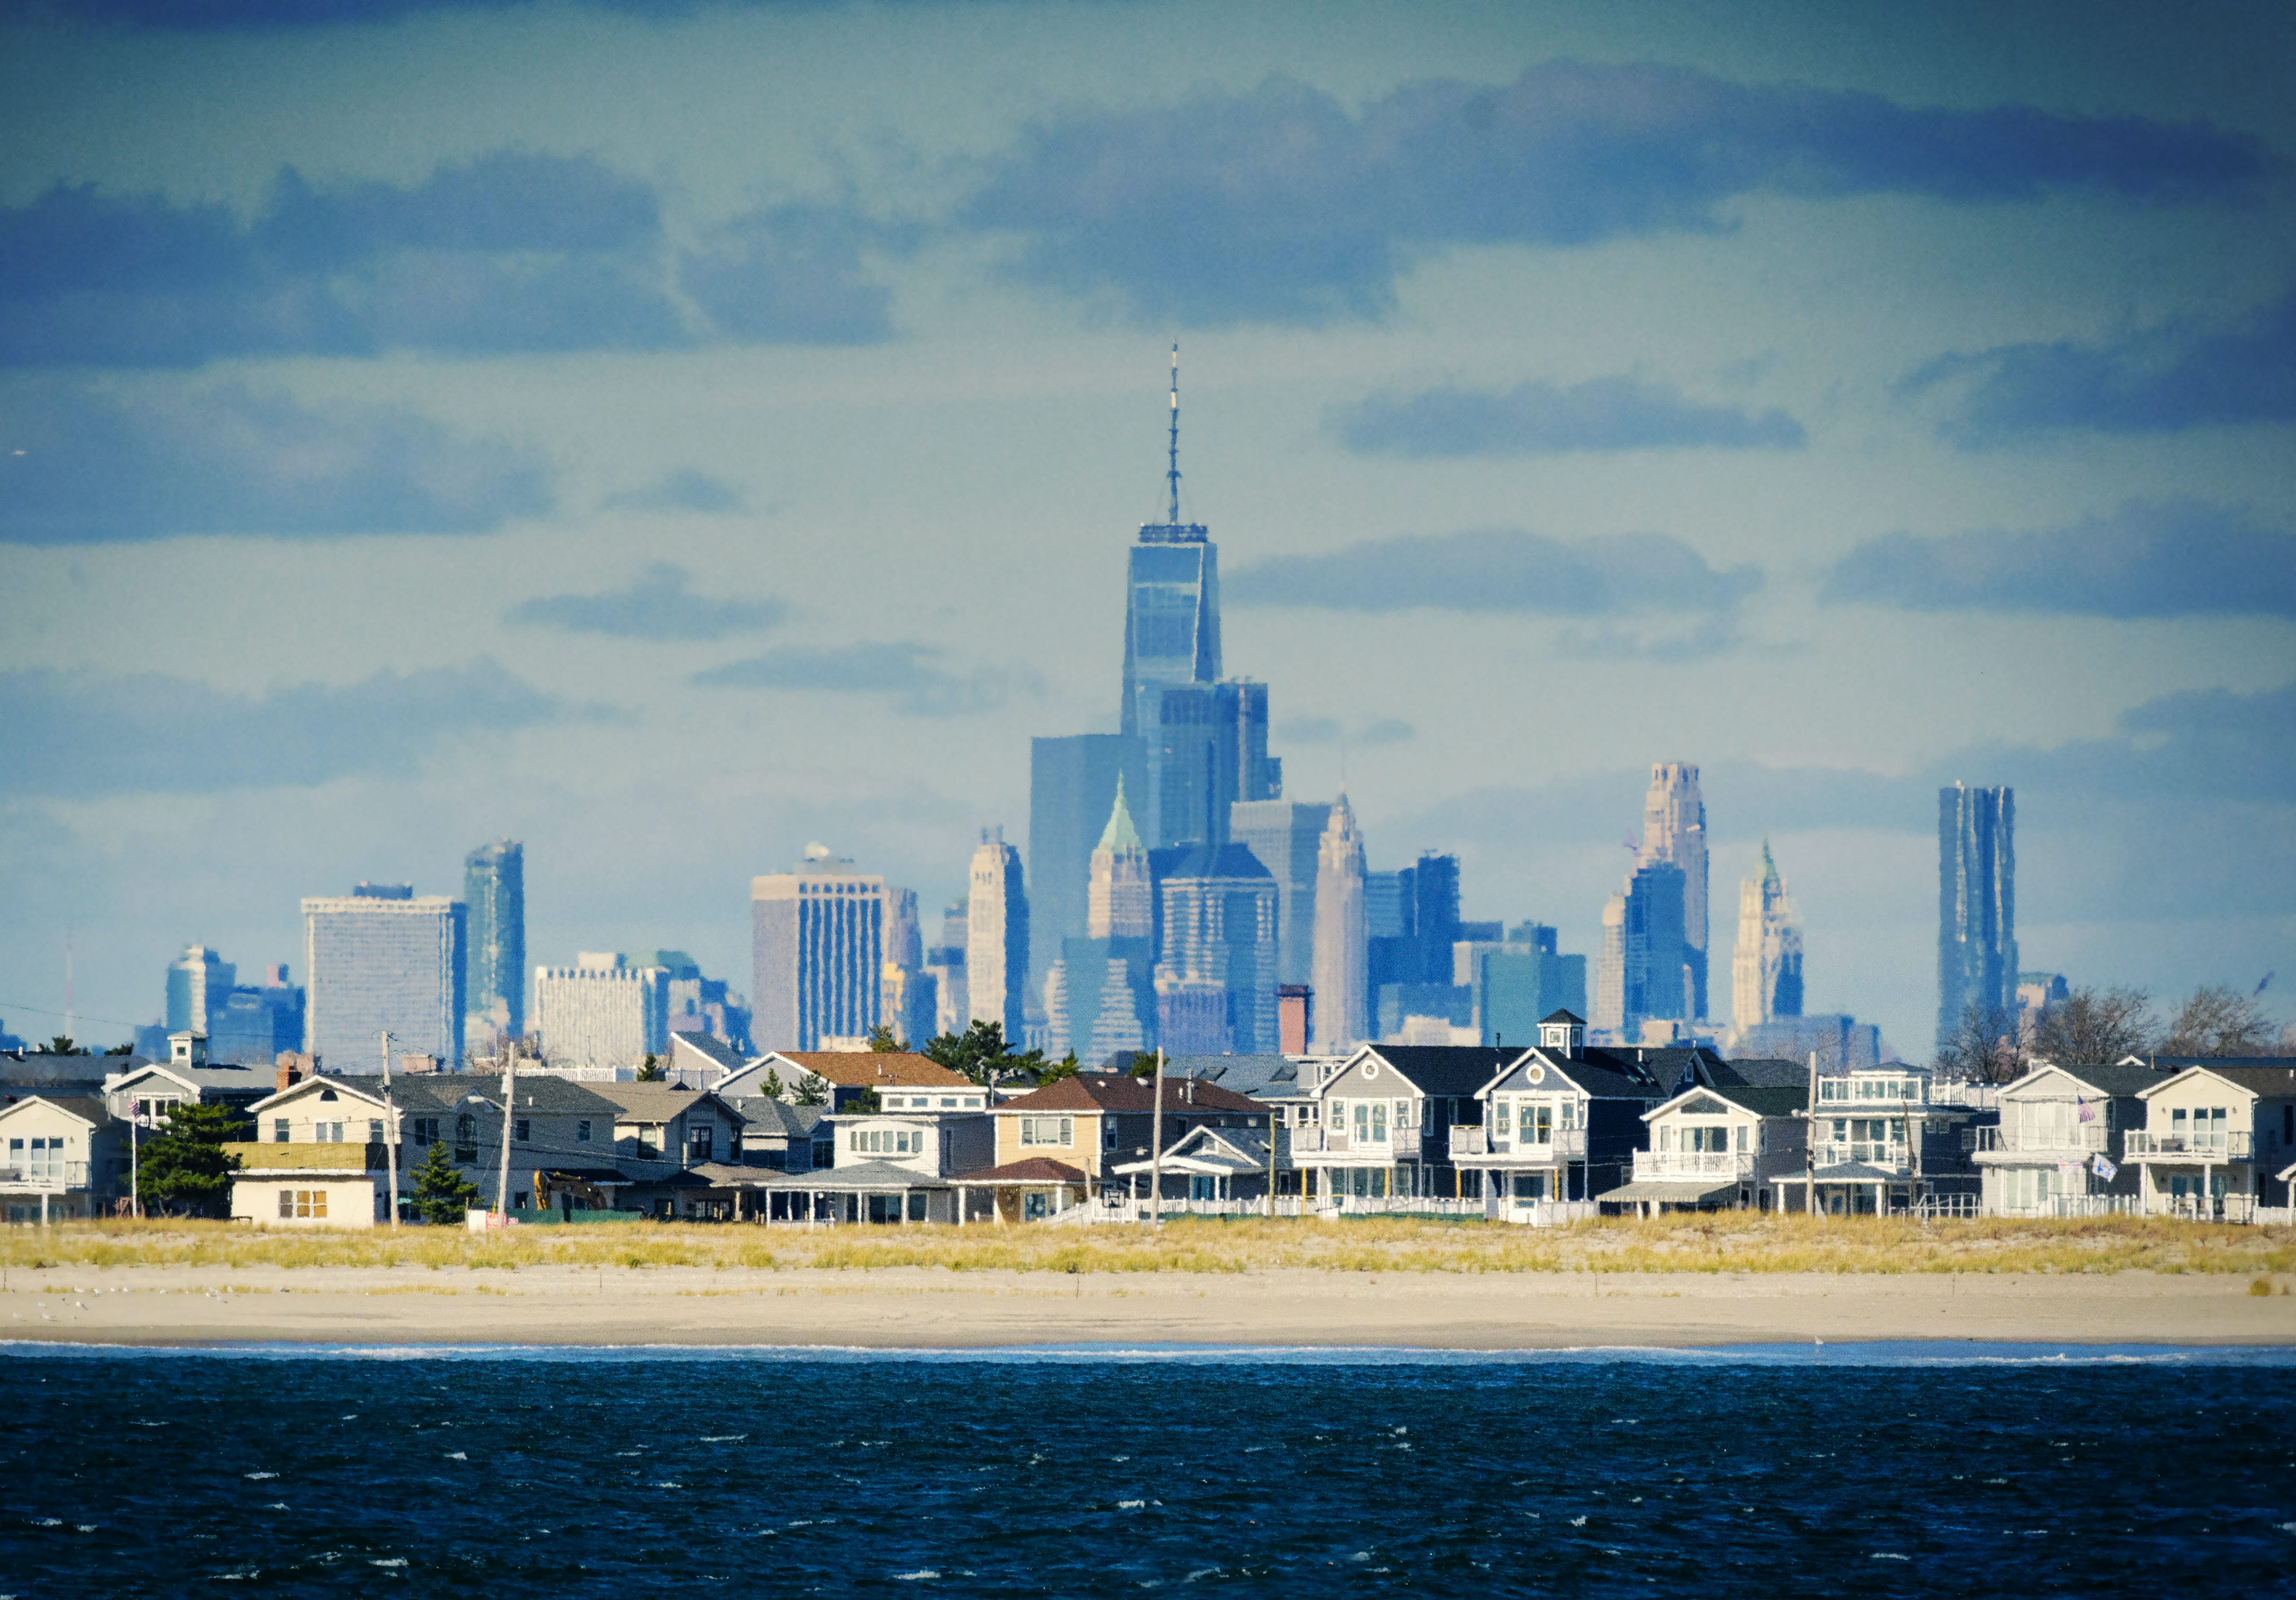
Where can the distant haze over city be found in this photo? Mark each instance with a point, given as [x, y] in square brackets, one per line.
[675, 436]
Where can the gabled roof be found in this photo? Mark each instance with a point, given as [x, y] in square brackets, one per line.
[1208, 1149]
[215, 1078]
[1596, 1072]
[2112, 1082]
[712, 1049]
[1031, 1170]
[1449, 1070]
[1121, 1092]
[1761, 1101]
[89, 1109]
[765, 1114]
[657, 1101]
[1762, 1072]
[416, 1093]
[1559, 1015]
[1267, 1076]
[2277, 1080]
[867, 1069]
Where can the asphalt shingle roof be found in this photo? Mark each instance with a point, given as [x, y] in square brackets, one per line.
[1119, 1092]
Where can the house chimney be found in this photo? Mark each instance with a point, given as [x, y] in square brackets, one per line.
[290, 1069]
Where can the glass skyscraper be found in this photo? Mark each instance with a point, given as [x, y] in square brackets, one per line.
[379, 959]
[1977, 905]
[1072, 786]
[494, 889]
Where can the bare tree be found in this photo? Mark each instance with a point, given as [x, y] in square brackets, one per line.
[1982, 1047]
[2094, 1026]
[2220, 1021]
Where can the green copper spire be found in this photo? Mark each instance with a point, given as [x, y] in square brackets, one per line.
[1119, 833]
[1769, 867]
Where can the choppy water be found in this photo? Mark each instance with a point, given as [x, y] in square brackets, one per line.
[1882, 1469]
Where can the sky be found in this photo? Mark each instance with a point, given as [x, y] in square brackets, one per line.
[673, 434]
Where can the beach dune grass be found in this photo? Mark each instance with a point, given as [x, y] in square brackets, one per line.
[1712, 1243]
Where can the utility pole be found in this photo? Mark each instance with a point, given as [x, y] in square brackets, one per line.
[390, 1131]
[1272, 1115]
[510, 1105]
[135, 1157]
[1809, 1142]
[1156, 1145]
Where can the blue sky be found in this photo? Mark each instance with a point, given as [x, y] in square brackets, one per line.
[672, 434]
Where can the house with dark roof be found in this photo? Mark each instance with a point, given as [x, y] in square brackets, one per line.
[1881, 1143]
[2059, 1143]
[1213, 1164]
[1559, 1121]
[2217, 1139]
[61, 1156]
[1717, 1147]
[1383, 1123]
[1085, 1125]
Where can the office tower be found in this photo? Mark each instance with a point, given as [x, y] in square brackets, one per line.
[1674, 832]
[379, 959]
[1435, 916]
[1838, 1040]
[254, 1024]
[818, 943]
[1977, 905]
[1287, 836]
[1518, 981]
[601, 1012]
[199, 981]
[1208, 752]
[1100, 1000]
[945, 966]
[494, 888]
[997, 936]
[1340, 950]
[699, 1004]
[1171, 612]
[1071, 786]
[1661, 981]
[1609, 1009]
[1215, 951]
[1766, 966]
[1392, 953]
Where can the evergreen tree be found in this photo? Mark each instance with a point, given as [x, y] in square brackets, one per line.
[812, 1089]
[442, 1193]
[774, 1086]
[650, 1072]
[183, 1170]
[881, 1041]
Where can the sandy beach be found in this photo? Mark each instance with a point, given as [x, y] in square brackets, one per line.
[918, 1308]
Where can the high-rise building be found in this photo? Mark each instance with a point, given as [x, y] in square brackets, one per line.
[256, 1022]
[1391, 952]
[818, 943]
[1674, 834]
[699, 1004]
[1977, 905]
[601, 1010]
[997, 936]
[198, 982]
[945, 966]
[1340, 952]
[1071, 786]
[1100, 1000]
[1766, 966]
[909, 1003]
[1215, 951]
[1435, 916]
[494, 888]
[1518, 981]
[1644, 973]
[1287, 836]
[1209, 752]
[1171, 612]
[377, 960]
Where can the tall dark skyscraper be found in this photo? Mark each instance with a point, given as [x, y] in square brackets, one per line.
[1211, 753]
[1977, 904]
[1660, 981]
[1435, 886]
[494, 889]
[1071, 791]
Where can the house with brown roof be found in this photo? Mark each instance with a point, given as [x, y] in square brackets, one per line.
[898, 1080]
[1063, 1142]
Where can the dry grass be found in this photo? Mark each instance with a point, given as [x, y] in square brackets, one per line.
[1726, 1243]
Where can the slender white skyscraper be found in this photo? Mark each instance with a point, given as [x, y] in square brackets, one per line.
[1610, 1006]
[997, 936]
[1118, 901]
[1342, 953]
[1674, 832]
[1766, 966]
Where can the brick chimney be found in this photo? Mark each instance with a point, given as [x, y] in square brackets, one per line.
[293, 1068]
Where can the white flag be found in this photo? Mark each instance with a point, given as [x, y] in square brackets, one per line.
[2103, 1168]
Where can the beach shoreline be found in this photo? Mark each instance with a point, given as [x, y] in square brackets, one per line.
[894, 1309]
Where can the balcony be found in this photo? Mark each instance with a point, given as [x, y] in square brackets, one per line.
[2211, 1146]
[2050, 1139]
[1315, 1140]
[1471, 1143]
[49, 1178]
[307, 1157]
[1694, 1163]
[1865, 1153]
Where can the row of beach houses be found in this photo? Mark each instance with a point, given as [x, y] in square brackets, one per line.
[1552, 1133]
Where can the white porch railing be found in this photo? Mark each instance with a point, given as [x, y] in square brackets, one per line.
[1479, 1144]
[1551, 1213]
[2083, 1137]
[1694, 1163]
[2231, 1145]
[1865, 1153]
[54, 1177]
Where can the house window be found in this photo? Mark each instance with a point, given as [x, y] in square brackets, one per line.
[1108, 1134]
[1378, 1122]
[1047, 1130]
[426, 1132]
[295, 1204]
[374, 1130]
[700, 1141]
[1505, 1118]
[522, 1134]
[582, 1131]
[279, 1130]
[1402, 1115]
[466, 1137]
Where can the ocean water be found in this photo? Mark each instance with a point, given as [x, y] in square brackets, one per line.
[1847, 1470]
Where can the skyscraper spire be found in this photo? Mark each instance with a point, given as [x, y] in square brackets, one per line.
[1173, 475]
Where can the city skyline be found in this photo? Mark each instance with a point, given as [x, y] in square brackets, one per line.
[472, 466]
